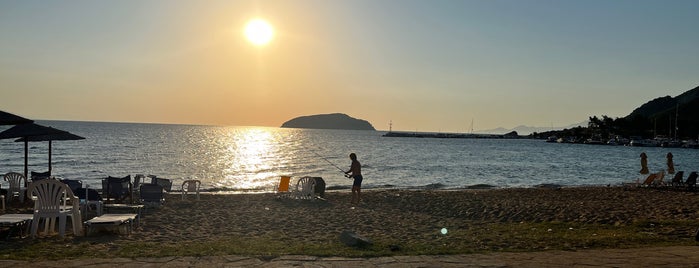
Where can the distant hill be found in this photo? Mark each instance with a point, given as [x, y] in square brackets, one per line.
[663, 117]
[664, 104]
[526, 130]
[328, 121]
[664, 112]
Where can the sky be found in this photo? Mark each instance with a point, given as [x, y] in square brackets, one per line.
[448, 66]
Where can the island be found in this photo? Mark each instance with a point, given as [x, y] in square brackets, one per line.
[328, 121]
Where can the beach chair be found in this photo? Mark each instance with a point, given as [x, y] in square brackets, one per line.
[51, 198]
[282, 190]
[16, 181]
[191, 186]
[659, 180]
[165, 183]
[19, 223]
[90, 198]
[73, 184]
[137, 180]
[123, 223]
[691, 182]
[37, 176]
[152, 195]
[117, 189]
[677, 180]
[319, 187]
[654, 179]
[305, 188]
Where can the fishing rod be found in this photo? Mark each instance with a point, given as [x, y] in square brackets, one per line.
[331, 163]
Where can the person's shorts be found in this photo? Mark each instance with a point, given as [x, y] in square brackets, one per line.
[357, 181]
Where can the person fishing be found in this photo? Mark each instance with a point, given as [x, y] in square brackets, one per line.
[355, 172]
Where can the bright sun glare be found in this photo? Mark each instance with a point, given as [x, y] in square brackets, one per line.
[259, 32]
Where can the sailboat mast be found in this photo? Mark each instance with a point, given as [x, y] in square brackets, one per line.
[655, 127]
[677, 114]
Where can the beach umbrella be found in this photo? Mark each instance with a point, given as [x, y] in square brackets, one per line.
[644, 164]
[26, 131]
[63, 136]
[11, 119]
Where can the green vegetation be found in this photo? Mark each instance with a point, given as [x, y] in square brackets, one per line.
[671, 117]
[492, 237]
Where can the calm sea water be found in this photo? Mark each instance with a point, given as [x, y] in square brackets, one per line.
[253, 158]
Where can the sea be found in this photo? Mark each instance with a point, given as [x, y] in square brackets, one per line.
[244, 159]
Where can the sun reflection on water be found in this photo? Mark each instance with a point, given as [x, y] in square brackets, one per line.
[250, 158]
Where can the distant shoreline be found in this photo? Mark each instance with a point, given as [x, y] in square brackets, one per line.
[392, 134]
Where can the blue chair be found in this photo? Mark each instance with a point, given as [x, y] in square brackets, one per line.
[152, 195]
[74, 185]
[165, 183]
[117, 189]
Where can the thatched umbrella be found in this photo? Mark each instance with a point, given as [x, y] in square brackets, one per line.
[28, 132]
[64, 136]
[11, 119]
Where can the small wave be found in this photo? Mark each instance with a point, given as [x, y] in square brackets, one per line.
[480, 186]
[330, 188]
[432, 186]
[548, 186]
[235, 190]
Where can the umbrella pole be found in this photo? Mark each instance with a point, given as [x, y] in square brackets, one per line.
[49, 158]
[26, 156]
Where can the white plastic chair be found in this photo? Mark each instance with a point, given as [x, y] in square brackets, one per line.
[190, 186]
[16, 183]
[50, 202]
[305, 188]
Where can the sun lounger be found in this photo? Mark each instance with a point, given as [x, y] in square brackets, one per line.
[131, 208]
[123, 223]
[677, 179]
[282, 190]
[17, 223]
[654, 179]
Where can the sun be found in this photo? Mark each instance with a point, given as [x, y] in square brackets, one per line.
[259, 32]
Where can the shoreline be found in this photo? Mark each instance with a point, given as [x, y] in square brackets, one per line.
[428, 187]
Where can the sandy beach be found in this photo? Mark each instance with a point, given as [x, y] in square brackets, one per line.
[402, 216]
[408, 221]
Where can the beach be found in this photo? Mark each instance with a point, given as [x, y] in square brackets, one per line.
[399, 222]
[405, 217]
